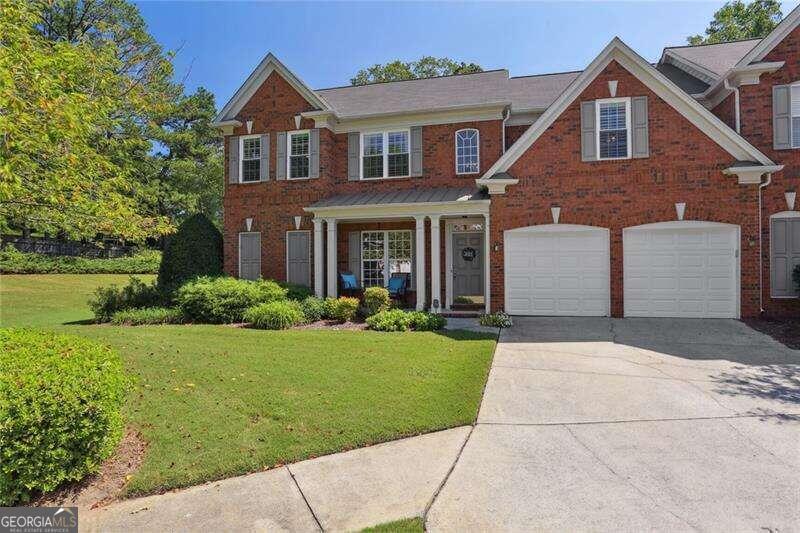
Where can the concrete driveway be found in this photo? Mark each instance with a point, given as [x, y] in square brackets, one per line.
[605, 424]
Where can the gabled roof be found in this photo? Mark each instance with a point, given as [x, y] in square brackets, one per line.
[618, 51]
[268, 65]
[713, 59]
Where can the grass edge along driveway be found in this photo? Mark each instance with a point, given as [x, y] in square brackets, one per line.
[218, 401]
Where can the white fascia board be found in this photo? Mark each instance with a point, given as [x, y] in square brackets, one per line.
[401, 210]
[737, 76]
[687, 106]
[690, 67]
[267, 66]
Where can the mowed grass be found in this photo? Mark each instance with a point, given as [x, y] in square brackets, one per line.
[216, 401]
[408, 525]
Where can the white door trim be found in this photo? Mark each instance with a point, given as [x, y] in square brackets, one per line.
[309, 253]
[555, 228]
[698, 224]
[448, 255]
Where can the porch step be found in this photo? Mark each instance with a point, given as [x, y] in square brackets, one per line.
[461, 314]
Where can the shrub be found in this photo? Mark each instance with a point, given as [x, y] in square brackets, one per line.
[496, 320]
[147, 315]
[376, 299]
[422, 321]
[224, 300]
[109, 300]
[13, 261]
[313, 308]
[60, 402]
[194, 250]
[345, 308]
[391, 320]
[275, 315]
[295, 291]
[329, 308]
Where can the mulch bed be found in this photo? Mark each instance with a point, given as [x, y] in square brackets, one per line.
[103, 487]
[332, 324]
[784, 330]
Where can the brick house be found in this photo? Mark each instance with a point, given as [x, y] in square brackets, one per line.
[625, 189]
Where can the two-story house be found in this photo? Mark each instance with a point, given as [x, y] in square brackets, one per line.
[625, 189]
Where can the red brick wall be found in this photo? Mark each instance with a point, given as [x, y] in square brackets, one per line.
[515, 132]
[684, 166]
[725, 110]
[274, 204]
[756, 127]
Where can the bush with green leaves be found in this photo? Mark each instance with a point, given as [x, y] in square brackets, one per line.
[345, 309]
[390, 320]
[422, 321]
[13, 261]
[275, 315]
[224, 300]
[60, 410]
[313, 308]
[376, 299]
[109, 300]
[329, 308]
[147, 315]
[295, 291]
[496, 320]
[194, 250]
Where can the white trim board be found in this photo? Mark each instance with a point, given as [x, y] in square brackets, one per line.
[687, 106]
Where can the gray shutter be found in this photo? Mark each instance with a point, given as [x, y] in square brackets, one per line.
[264, 171]
[280, 151]
[354, 254]
[781, 117]
[233, 159]
[313, 154]
[250, 255]
[416, 151]
[785, 235]
[640, 143]
[298, 248]
[353, 156]
[588, 132]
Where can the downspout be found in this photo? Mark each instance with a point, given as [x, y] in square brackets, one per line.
[737, 120]
[506, 114]
[761, 186]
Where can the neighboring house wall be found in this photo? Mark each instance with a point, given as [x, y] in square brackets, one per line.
[274, 204]
[684, 166]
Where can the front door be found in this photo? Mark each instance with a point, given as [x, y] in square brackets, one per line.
[468, 267]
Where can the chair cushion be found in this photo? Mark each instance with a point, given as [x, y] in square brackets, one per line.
[349, 281]
[395, 284]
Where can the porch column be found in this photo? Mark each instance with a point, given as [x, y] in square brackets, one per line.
[420, 261]
[436, 265]
[332, 272]
[319, 259]
[487, 247]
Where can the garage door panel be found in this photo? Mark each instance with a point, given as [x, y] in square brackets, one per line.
[681, 270]
[567, 272]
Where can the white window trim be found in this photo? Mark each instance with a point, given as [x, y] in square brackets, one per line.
[597, 103]
[386, 272]
[289, 135]
[478, 140]
[309, 253]
[791, 116]
[241, 157]
[385, 133]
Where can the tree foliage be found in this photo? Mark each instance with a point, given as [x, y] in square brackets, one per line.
[737, 20]
[424, 67]
[194, 250]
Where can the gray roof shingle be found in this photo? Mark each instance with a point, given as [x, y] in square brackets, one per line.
[717, 58]
[406, 196]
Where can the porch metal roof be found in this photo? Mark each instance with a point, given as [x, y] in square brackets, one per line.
[406, 196]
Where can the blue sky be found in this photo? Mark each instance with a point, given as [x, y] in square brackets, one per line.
[325, 44]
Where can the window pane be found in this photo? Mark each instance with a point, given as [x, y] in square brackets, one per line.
[251, 148]
[372, 258]
[612, 116]
[398, 142]
[299, 144]
[467, 151]
[398, 165]
[298, 166]
[613, 144]
[795, 132]
[613, 130]
[373, 166]
[373, 144]
[251, 170]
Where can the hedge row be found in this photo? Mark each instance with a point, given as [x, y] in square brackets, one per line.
[12, 261]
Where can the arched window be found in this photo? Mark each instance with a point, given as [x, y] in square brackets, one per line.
[467, 153]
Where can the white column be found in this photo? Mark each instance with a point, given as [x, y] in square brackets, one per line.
[319, 259]
[487, 247]
[436, 264]
[333, 274]
[420, 262]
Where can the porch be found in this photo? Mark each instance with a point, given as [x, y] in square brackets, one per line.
[442, 234]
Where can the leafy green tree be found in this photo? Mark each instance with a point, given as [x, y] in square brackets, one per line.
[60, 114]
[737, 20]
[424, 67]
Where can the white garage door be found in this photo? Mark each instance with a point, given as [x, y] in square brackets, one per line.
[557, 269]
[681, 269]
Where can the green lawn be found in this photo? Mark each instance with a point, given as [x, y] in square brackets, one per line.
[215, 401]
[408, 525]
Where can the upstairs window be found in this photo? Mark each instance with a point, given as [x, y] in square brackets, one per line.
[795, 111]
[467, 158]
[251, 158]
[613, 131]
[385, 154]
[298, 154]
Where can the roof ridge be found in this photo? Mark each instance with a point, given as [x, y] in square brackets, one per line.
[545, 74]
[713, 44]
[413, 79]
